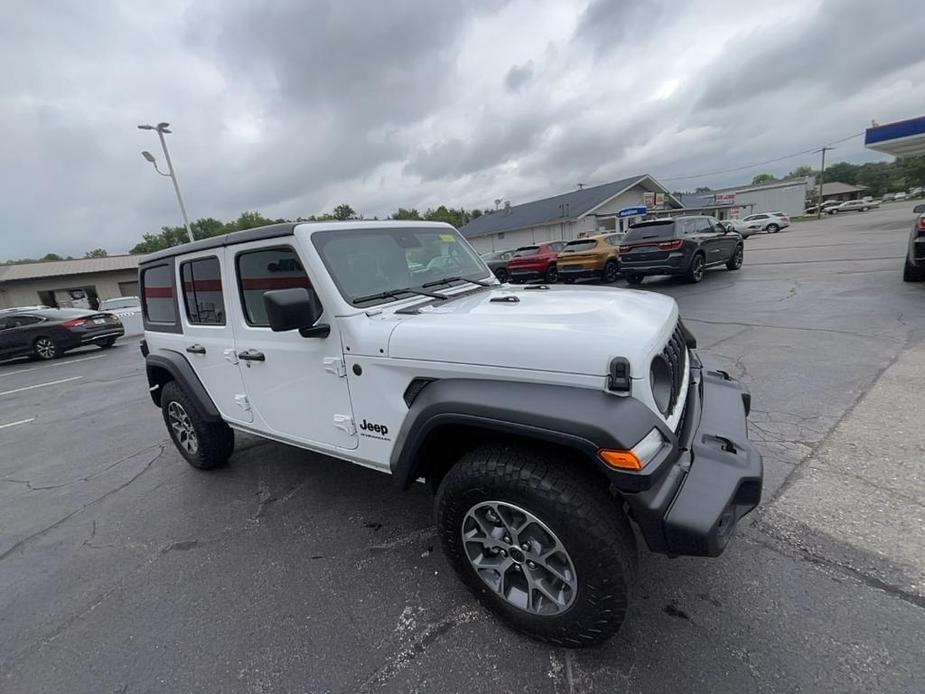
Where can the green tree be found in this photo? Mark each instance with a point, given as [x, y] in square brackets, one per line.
[50, 256]
[703, 189]
[803, 171]
[343, 212]
[913, 169]
[402, 213]
[248, 220]
[207, 227]
[763, 178]
[96, 253]
[842, 172]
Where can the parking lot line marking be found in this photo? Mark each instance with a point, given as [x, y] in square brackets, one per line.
[13, 424]
[41, 385]
[60, 363]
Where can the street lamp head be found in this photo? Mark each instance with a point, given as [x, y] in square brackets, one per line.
[162, 127]
[147, 155]
[146, 127]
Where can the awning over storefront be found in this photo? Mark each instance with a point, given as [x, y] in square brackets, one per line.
[905, 138]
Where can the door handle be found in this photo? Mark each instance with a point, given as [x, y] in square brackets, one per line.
[196, 349]
[251, 355]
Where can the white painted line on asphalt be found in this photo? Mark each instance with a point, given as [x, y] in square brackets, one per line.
[14, 424]
[47, 366]
[41, 385]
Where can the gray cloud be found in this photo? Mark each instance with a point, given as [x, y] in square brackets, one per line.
[291, 107]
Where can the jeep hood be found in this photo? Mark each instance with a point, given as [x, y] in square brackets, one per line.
[566, 329]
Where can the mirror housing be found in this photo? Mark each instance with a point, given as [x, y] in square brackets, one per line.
[297, 308]
[919, 209]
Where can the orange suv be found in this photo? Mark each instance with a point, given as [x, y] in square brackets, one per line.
[595, 256]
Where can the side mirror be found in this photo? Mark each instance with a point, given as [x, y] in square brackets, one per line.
[295, 309]
[919, 209]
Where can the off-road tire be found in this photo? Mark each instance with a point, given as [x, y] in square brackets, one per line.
[575, 506]
[634, 278]
[107, 343]
[696, 269]
[735, 262]
[552, 274]
[912, 273]
[45, 348]
[611, 271]
[215, 439]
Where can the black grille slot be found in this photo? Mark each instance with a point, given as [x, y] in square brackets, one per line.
[675, 355]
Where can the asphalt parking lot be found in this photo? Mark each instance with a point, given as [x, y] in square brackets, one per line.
[122, 569]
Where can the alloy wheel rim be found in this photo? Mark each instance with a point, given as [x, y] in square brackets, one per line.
[519, 558]
[45, 347]
[738, 258]
[698, 267]
[182, 428]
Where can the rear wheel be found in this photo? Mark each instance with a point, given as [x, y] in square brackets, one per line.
[611, 271]
[913, 273]
[552, 274]
[45, 348]
[205, 445]
[735, 262]
[773, 228]
[538, 542]
[634, 278]
[695, 271]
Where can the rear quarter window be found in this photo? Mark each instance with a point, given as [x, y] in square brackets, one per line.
[159, 298]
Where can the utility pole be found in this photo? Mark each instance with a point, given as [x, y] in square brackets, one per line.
[162, 128]
[821, 177]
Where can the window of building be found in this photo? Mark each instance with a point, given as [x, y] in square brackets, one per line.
[202, 291]
[262, 270]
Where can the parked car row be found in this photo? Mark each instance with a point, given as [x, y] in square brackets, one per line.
[683, 246]
[46, 333]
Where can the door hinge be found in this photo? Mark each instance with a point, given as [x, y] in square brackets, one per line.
[241, 401]
[335, 365]
[230, 356]
[345, 423]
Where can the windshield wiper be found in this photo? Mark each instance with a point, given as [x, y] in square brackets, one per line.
[448, 280]
[394, 294]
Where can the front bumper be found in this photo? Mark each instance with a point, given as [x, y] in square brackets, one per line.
[715, 479]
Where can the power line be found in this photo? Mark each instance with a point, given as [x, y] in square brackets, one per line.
[812, 150]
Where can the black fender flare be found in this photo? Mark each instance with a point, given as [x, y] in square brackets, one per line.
[179, 369]
[583, 419]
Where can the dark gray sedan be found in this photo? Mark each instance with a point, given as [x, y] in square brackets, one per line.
[49, 332]
[497, 263]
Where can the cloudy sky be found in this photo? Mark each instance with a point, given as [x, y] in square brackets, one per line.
[291, 107]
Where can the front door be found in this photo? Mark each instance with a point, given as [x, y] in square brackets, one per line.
[208, 335]
[297, 386]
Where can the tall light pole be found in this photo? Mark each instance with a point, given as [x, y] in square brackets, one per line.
[821, 179]
[161, 129]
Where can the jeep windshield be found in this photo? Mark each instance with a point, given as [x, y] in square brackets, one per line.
[374, 266]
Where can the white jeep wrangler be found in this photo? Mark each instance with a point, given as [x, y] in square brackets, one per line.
[545, 418]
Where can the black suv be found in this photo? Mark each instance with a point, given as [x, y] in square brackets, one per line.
[682, 246]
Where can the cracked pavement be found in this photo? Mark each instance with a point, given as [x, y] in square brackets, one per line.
[123, 569]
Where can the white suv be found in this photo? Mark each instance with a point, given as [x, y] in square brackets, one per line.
[545, 418]
[771, 222]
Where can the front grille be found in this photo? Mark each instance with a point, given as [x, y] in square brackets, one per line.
[675, 355]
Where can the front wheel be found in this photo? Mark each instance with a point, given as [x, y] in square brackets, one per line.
[735, 262]
[611, 271]
[552, 274]
[45, 348]
[538, 542]
[695, 271]
[205, 445]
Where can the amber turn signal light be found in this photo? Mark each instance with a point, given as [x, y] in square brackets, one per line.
[620, 460]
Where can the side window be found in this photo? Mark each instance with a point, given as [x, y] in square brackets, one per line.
[19, 321]
[262, 270]
[159, 303]
[202, 291]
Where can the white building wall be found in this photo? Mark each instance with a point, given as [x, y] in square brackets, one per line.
[791, 199]
[25, 292]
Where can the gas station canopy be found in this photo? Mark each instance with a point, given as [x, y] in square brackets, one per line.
[905, 138]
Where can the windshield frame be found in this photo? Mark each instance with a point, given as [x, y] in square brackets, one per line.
[319, 240]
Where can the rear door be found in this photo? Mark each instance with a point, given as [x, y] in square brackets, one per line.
[208, 335]
[296, 386]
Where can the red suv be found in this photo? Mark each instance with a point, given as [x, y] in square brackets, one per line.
[535, 262]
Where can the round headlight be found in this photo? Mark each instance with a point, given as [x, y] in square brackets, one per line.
[660, 380]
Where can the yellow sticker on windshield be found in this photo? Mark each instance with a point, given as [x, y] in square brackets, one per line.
[448, 237]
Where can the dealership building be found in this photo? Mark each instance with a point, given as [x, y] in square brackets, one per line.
[82, 282]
